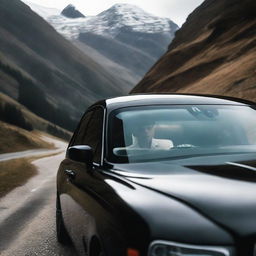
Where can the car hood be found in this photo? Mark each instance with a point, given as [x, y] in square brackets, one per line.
[223, 192]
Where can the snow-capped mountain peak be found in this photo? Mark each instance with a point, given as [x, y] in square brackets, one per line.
[123, 9]
[128, 16]
[109, 22]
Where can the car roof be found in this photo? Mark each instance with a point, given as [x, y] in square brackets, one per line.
[171, 99]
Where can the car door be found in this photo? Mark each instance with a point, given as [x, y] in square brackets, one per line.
[81, 203]
[67, 188]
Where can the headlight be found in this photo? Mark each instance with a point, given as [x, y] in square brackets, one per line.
[164, 248]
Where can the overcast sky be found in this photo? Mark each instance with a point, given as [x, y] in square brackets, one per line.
[176, 10]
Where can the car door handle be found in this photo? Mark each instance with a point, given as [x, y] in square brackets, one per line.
[71, 174]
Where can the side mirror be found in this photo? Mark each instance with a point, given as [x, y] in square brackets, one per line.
[80, 153]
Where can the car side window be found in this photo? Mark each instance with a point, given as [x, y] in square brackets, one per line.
[93, 134]
[78, 139]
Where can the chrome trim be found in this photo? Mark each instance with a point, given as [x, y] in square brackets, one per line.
[103, 137]
[103, 132]
[219, 249]
[242, 166]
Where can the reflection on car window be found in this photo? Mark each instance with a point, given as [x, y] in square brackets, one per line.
[154, 133]
[90, 132]
[82, 130]
[93, 135]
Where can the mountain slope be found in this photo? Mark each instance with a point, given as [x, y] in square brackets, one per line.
[42, 11]
[44, 71]
[124, 34]
[15, 139]
[128, 78]
[125, 55]
[214, 52]
[16, 114]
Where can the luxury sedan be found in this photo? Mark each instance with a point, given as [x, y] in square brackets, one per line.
[161, 175]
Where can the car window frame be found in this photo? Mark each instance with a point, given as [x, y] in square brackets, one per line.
[107, 160]
[71, 143]
[92, 109]
[95, 108]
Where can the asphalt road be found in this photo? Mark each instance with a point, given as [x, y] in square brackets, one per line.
[26, 153]
[27, 215]
[60, 146]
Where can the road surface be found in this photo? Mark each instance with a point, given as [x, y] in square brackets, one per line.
[35, 152]
[27, 214]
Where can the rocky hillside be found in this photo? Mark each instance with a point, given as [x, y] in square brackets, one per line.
[71, 12]
[45, 72]
[214, 52]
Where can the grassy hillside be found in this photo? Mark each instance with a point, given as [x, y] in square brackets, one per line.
[14, 139]
[15, 173]
[214, 52]
[16, 114]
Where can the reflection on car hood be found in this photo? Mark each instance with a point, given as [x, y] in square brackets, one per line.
[224, 192]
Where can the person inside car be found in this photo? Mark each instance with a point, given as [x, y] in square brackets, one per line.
[143, 137]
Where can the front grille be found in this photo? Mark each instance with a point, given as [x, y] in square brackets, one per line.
[245, 247]
[158, 247]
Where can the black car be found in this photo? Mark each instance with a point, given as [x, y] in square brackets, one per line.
[161, 175]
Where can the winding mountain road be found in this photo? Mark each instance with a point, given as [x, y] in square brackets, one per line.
[27, 153]
[27, 214]
[60, 146]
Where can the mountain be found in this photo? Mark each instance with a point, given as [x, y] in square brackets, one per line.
[129, 36]
[214, 52]
[71, 12]
[127, 16]
[126, 77]
[124, 34]
[13, 113]
[42, 11]
[46, 73]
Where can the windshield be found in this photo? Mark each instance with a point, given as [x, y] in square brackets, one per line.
[146, 133]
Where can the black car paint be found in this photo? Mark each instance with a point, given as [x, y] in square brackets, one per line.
[126, 206]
